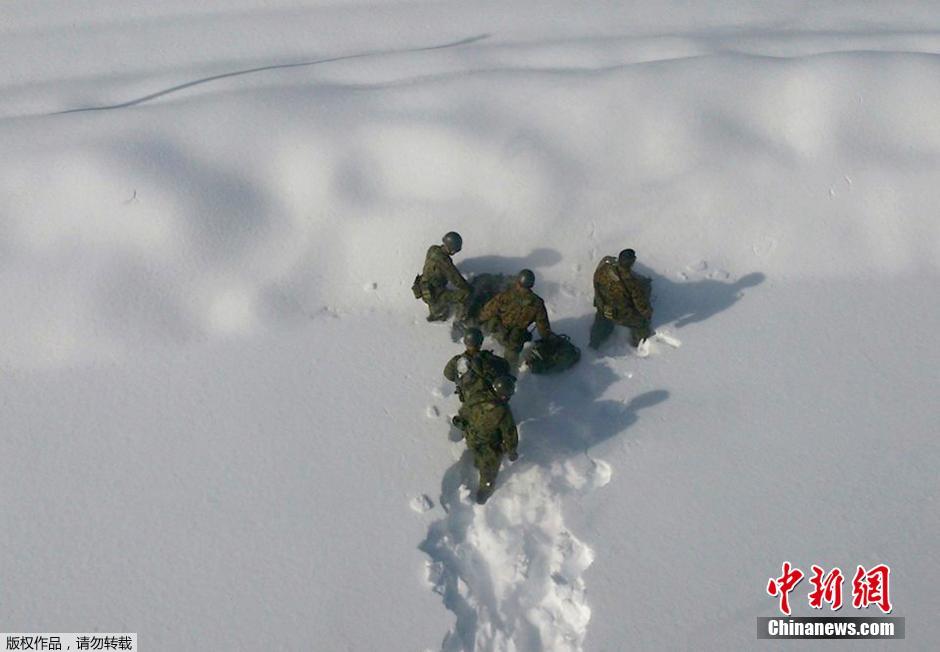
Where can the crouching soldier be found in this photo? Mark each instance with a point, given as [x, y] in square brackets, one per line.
[474, 370]
[622, 297]
[509, 314]
[490, 431]
[439, 284]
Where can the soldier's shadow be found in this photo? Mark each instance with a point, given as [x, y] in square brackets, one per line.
[690, 302]
[570, 418]
[578, 329]
[542, 257]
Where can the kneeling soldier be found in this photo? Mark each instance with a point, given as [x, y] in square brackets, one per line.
[509, 314]
[431, 285]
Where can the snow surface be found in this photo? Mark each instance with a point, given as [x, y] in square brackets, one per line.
[225, 425]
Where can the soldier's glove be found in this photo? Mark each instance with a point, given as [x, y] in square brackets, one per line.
[459, 422]
[513, 456]
[608, 312]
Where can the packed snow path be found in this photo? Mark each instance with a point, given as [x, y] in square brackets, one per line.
[511, 570]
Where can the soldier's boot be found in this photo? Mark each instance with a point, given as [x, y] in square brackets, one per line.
[600, 330]
[487, 461]
[640, 333]
[485, 491]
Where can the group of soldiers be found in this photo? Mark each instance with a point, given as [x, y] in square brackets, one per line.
[484, 381]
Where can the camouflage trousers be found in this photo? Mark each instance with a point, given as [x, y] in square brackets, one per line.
[603, 327]
[486, 448]
[442, 303]
[512, 339]
[486, 458]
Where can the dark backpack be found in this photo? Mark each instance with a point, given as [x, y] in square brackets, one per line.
[552, 355]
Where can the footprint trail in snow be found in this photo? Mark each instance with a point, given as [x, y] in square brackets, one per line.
[510, 570]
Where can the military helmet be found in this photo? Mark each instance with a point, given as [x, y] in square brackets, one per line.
[526, 278]
[627, 257]
[505, 387]
[473, 338]
[452, 241]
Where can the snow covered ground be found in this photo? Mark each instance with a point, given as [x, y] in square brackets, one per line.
[224, 420]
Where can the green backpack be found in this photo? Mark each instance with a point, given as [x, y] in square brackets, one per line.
[553, 355]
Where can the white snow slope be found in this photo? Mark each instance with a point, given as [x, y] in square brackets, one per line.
[224, 421]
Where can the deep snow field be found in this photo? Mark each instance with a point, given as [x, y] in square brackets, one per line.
[224, 421]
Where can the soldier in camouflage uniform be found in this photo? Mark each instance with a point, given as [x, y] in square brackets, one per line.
[439, 284]
[509, 314]
[490, 431]
[622, 297]
[474, 370]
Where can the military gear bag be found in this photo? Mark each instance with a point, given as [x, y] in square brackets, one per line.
[552, 355]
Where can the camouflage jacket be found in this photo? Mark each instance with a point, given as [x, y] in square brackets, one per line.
[439, 269]
[618, 291]
[518, 307]
[474, 374]
[490, 424]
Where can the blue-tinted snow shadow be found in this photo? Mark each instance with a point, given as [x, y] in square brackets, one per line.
[691, 302]
[538, 258]
[510, 266]
[143, 298]
[564, 416]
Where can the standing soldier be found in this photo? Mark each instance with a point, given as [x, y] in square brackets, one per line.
[474, 370]
[490, 431]
[622, 297]
[431, 285]
[509, 314]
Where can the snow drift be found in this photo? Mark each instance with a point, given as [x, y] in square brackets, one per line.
[225, 420]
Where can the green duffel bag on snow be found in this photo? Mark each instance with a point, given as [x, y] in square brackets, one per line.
[555, 354]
